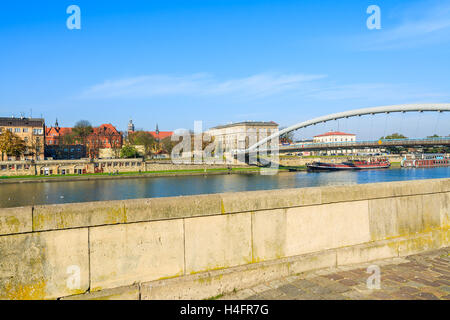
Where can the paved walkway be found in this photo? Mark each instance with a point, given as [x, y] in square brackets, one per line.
[424, 276]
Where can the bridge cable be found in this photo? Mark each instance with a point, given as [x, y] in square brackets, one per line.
[385, 125]
[417, 127]
[401, 122]
[437, 122]
[371, 127]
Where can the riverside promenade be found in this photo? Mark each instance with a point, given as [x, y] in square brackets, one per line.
[424, 276]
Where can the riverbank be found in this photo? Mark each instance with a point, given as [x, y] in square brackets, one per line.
[128, 175]
[147, 174]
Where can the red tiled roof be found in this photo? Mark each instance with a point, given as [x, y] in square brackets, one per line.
[57, 131]
[334, 133]
[104, 127]
[162, 134]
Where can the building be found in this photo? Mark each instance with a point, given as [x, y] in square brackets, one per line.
[31, 131]
[157, 149]
[65, 152]
[158, 135]
[56, 146]
[334, 136]
[54, 136]
[130, 126]
[342, 137]
[241, 135]
[104, 140]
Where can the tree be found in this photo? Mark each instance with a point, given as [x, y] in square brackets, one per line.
[143, 138]
[12, 145]
[167, 144]
[129, 152]
[34, 146]
[205, 138]
[114, 139]
[93, 146]
[82, 130]
[394, 136]
[81, 134]
[287, 137]
[69, 139]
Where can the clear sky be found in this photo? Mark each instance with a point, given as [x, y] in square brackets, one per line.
[173, 62]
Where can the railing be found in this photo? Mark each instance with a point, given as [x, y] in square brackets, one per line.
[377, 143]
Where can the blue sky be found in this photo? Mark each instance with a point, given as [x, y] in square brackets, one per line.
[173, 62]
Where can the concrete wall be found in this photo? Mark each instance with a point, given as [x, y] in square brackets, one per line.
[201, 246]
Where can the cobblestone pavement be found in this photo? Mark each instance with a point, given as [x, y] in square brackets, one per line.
[424, 276]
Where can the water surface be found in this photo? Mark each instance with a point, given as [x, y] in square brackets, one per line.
[24, 194]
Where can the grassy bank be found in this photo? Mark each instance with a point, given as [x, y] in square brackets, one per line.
[161, 173]
[133, 174]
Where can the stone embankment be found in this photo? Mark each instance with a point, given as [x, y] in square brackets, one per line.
[205, 245]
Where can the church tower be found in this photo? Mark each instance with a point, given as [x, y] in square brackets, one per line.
[130, 126]
[157, 133]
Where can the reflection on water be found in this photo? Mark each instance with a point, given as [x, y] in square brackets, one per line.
[23, 194]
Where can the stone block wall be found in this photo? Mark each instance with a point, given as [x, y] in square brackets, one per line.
[201, 246]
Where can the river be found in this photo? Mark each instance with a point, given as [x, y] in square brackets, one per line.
[25, 194]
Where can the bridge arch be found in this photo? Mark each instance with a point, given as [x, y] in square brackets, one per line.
[439, 107]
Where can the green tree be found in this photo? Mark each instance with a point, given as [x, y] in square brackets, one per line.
[69, 139]
[12, 145]
[142, 138]
[167, 144]
[129, 152]
[82, 130]
[394, 136]
[80, 134]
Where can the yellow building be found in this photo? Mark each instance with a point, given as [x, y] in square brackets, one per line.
[31, 131]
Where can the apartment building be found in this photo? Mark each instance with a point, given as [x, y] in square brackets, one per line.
[31, 131]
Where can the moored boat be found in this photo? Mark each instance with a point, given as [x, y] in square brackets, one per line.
[350, 165]
[426, 161]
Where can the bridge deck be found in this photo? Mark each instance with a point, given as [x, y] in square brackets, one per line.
[367, 144]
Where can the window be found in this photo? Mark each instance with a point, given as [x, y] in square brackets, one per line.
[37, 131]
[25, 130]
[17, 130]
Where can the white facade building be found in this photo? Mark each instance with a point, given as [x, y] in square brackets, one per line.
[338, 137]
[241, 135]
[334, 136]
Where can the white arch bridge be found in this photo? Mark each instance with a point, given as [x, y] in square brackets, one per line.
[436, 107]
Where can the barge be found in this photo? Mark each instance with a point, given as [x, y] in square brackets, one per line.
[426, 161]
[350, 165]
